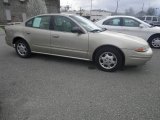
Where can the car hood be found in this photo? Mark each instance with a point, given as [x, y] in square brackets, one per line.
[118, 39]
[154, 29]
[125, 36]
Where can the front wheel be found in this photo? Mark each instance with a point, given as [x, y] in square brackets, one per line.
[109, 59]
[22, 49]
[154, 42]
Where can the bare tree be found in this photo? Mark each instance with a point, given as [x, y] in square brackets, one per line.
[130, 11]
[151, 11]
[117, 6]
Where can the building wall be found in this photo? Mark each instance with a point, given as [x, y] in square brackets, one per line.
[35, 7]
[19, 11]
[15, 7]
[50, 4]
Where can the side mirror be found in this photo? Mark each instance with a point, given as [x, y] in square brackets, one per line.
[104, 29]
[141, 26]
[77, 30]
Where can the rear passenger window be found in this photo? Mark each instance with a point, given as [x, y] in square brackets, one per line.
[148, 18]
[42, 22]
[29, 23]
[112, 22]
[155, 19]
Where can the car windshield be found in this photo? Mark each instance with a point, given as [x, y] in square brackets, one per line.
[146, 24]
[87, 24]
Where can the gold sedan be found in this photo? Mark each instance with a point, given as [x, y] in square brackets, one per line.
[76, 37]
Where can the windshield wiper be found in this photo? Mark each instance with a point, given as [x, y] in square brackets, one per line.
[104, 29]
[96, 30]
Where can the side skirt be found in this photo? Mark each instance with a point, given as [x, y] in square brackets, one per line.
[62, 56]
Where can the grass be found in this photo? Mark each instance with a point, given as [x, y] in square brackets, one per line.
[1, 28]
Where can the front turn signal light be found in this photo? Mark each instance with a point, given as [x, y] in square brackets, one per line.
[141, 50]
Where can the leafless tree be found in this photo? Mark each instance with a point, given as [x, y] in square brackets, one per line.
[117, 6]
[130, 11]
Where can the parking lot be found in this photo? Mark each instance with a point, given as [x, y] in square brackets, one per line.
[54, 88]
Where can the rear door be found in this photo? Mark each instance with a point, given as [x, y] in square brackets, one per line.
[113, 24]
[37, 32]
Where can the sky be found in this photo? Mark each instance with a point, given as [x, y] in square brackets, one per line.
[110, 5]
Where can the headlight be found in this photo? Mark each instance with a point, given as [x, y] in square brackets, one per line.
[142, 49]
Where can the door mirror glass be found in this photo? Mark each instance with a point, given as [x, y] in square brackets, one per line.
[76, 30]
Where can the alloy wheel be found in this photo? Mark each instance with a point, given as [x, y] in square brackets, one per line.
[108, 60]
[156, 42]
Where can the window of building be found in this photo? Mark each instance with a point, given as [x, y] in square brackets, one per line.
[5, 1]
[8, 14]
[24, 16]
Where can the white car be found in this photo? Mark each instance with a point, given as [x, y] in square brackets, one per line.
[132, 26]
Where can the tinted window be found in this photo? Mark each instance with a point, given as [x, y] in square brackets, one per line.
[29, 23]
[143, 18]
[41, 22]
[148, 18]
[155, 19]
[130, 22]
[113, 22]
[63, 24]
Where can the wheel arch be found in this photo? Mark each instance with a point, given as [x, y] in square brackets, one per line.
[100, 47]
[18, 38]
[156, 34]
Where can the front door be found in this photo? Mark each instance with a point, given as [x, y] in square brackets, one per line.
[38, 34]
[132, 27]
[66, 43]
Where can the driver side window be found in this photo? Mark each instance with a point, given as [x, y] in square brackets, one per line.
[63, 24]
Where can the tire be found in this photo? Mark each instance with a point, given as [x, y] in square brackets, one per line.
[109, 59]
[154, 42]
[22, 49]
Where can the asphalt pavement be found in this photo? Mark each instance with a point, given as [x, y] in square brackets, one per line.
[53, 88]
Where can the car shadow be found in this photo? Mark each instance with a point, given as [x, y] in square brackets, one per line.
[90, 65]
[58, 59]
[0, 109]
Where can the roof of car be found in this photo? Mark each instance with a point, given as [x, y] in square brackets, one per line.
[65, 14]
[120, 16]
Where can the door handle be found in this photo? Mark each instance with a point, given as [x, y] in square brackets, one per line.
[28, 33]
[56, 36]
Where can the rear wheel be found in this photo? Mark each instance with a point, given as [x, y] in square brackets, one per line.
[109, 59]
[154, 42]
[22, 49]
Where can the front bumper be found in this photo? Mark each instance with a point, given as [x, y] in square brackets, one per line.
[137, 58]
